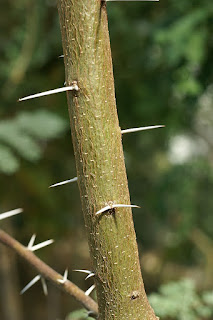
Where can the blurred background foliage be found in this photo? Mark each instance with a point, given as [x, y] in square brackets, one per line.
[162, 54]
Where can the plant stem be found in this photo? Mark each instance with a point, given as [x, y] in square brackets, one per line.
[50, 274]
[99, 158]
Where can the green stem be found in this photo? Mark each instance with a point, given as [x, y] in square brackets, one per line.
[99, 158]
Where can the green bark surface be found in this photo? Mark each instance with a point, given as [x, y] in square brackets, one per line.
[100, 163]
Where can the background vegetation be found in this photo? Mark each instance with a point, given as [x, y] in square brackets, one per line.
[162, 54]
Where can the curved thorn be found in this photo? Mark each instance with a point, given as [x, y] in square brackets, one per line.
[83, 270]
[141, 129]
[116, 206]
[63, 182]
[10, 213]
[103, 209]
[87, 293]
[49, 92]
[90, 275]
[30, 284]
[125, 206]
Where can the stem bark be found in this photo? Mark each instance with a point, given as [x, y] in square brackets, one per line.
[101, 172]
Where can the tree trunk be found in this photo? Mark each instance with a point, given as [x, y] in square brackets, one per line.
[99, 158]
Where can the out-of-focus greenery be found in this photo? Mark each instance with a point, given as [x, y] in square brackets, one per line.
[162, 55]
[81, 314]
[174, 301]
[22, 133]
[179, 300]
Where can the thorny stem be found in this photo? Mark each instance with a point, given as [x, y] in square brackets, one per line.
[100, 164]
[48, 273]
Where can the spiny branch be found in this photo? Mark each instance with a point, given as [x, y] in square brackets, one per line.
[48, 273]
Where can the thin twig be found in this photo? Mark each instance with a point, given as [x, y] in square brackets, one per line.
[48, 273]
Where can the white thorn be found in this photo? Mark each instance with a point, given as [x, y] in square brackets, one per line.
[41, 245]
[83, 270]
[141, 129]
[63, 182]
[44, 286]
[116, 206]
[125, 206]
[30, 284]
[103, 209]
[31, 242]
[64, 277]
[10, 213]
[90, 275]
[87, 293]
[46, 93]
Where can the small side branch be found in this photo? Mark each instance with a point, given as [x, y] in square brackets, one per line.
[48, 273]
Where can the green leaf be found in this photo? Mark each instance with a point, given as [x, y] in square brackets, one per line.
[41, 124]
[208, 298]
[24, 134]
[21, 142]
[8, 162]
[80, 314]
[179, 301]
